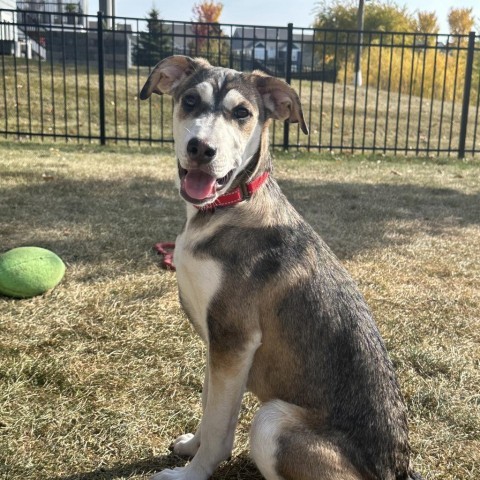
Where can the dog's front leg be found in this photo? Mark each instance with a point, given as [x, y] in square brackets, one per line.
[187, 445]
[227, 378]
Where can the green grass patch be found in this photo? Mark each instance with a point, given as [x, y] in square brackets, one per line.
[99, 376]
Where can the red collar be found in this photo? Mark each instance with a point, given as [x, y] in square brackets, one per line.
[241, 193]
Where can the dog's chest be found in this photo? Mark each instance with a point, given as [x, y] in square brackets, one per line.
[199, 279]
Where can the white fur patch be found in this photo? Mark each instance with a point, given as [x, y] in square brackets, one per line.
[222, 76]
[233, 98]
[269, 423]
[198, 280]
[205, 90]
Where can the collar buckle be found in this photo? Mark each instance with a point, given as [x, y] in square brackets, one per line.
[246, 194]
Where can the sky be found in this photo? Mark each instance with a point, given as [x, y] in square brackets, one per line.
[271, 12]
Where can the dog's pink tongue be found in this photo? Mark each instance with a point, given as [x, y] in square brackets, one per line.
[199, 185]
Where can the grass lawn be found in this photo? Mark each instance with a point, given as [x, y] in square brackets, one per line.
[48, 99]
[98, 376]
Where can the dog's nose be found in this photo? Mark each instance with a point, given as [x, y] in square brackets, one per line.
[200, 151]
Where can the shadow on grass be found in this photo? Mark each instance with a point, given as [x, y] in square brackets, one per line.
[353, 217]
[119, 220]
[87, 221]
[147, 466]
[239, 467]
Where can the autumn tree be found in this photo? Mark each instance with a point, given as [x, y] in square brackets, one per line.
[207, 12]
[209, 39]
[460, 20]
[155, 43]
[379, 16]
[427, 22]
[338, 36]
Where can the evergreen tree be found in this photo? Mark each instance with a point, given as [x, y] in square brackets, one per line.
[154, 44]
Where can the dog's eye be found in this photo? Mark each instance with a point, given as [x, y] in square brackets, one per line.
[189, 101]
[241, 112]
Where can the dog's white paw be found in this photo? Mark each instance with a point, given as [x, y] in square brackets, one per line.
[179, 473]
[186, 445]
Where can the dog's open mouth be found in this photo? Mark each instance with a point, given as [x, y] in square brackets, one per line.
[198, 187]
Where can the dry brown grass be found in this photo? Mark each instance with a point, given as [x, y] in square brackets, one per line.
[97, 377]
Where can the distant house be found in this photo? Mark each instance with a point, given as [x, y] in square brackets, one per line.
[56, 12]
[269, 46]
[183, 37]
[251, 47]
[60, 31]
[8, 30]
[22, 32]
[7, 4]
[117, 45]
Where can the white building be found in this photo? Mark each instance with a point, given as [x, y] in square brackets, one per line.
[52, 12]
[8, 29]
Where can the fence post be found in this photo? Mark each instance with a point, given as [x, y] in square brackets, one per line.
[466, 95]
[288, 79]
[101, 77]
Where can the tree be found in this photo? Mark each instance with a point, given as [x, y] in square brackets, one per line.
[70, 9]
[427, 22]
[337, 42]
[207, 12]
[154, 44]
[209, 41]
[460, 20]
[379, 16]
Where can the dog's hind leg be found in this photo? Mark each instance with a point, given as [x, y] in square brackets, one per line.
[285, 448]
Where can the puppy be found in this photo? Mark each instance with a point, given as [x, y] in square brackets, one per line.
[278, 313]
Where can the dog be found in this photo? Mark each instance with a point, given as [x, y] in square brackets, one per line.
[278, 313]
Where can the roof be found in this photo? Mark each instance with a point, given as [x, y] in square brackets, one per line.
[247, 37]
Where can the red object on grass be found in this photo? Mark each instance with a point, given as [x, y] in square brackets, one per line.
[166, 249]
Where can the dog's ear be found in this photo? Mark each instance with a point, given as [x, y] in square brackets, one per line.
[280, 99]
[169, 72]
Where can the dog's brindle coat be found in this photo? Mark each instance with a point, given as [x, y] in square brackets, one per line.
[279, 315]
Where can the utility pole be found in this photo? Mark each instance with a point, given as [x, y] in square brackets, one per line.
[107, 7]
[358, 58]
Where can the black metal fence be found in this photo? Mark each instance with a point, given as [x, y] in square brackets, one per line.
[70, 76]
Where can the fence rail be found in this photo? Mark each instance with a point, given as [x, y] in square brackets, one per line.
[77, 77]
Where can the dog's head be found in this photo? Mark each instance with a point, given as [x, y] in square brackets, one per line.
[219, 120]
